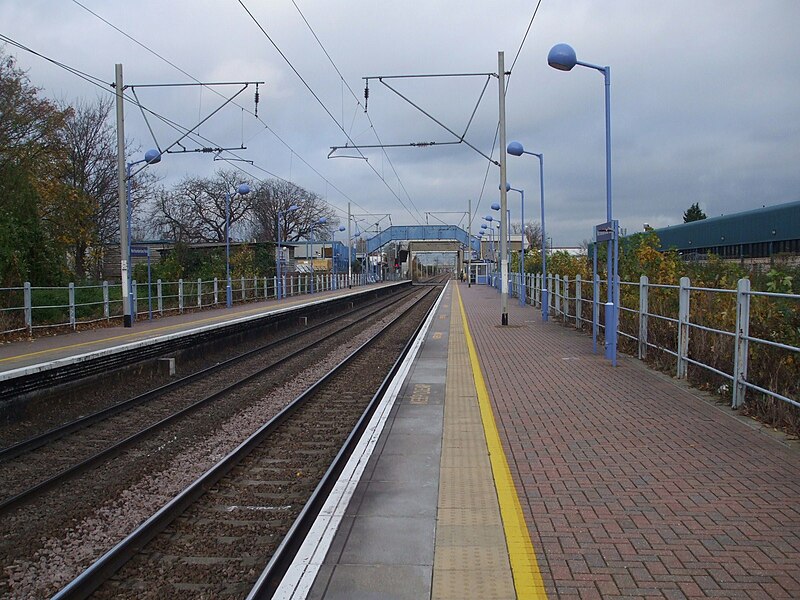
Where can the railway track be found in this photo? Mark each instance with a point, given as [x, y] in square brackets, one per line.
[214, 539]
[43, 462]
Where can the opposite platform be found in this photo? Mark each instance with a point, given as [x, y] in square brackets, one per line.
[15, 357]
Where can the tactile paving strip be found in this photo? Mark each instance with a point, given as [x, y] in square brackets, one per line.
[470, 554]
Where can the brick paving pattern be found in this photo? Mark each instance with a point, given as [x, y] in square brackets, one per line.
[632, 486]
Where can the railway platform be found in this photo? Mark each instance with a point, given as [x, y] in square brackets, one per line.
[42, 353]
[515, 463]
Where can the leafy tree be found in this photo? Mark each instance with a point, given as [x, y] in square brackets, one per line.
[693, 213]
[31, 158]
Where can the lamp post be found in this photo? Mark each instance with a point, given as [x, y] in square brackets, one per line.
[516, 149]
[281, 293]
[333, 258]
[151, 157]
[320, 221]
[490, 218]
[521, 242]
[242, 190]
[496, 206]
[563, 58]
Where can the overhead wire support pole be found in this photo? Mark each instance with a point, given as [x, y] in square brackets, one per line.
[501, 80]
[428, 75]
[442, 125]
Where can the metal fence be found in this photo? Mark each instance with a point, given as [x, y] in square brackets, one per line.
[30, 308]
[721, 331]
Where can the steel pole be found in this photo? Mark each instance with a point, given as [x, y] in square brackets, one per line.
[521, 283]
[501, 85]
[278, 286]
[349, 251]
[228, 287]
[123, 199]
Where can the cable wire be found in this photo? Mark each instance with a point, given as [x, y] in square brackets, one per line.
[322, 104]
[193, 78]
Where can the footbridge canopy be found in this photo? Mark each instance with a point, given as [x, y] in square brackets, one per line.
[420, 233]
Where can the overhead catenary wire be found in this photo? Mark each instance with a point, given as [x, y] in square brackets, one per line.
[358, 103]
[322, 104]
[254, 114]
[106, 87]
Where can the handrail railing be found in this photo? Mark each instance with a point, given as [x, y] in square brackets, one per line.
[30, 308]
[679, 332]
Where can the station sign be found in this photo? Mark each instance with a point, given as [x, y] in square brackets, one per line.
[605, 231]
[140, 251]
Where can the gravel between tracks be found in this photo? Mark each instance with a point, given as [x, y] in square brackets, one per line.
[58, 559]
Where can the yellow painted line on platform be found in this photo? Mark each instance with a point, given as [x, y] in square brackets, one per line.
[145, 334]
[524, 566]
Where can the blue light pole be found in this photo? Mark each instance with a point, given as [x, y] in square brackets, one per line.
[151, 157]
[333, 258]
[563, 58]
[516, 149]
[281, 293]
[521, 242]
[320, 221]
[242, 190]
[489, 228]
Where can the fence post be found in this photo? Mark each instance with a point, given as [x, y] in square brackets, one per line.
[644, 303]
[135, 307]
[741, 349]
[216, 291]
[566, 298]
[106, 308]
[72, 304]
[683, 327]
[27, 300]
[578, 302]
[180, 295]
[244, 292]
[199, 293]
[160, 297]
[556, 279]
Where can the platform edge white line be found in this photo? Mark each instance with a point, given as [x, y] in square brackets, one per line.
[302, 573]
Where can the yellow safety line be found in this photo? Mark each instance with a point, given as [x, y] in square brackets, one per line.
[144, 334]
[524, 566]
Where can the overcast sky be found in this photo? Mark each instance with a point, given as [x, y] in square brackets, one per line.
[704, 98]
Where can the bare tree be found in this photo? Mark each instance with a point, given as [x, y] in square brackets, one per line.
[276, 195]
[194, 210]
[533, 233]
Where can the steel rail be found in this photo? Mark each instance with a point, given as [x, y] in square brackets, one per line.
[108, 564]
[27, 445]
[111, 451]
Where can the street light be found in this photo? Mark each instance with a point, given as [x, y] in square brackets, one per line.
[242, 190]
[333, 258]
[516, 149]
[320, 221]
[280, 292]
[151, 157]
[496, 206]
[521, 242]
[563, 58]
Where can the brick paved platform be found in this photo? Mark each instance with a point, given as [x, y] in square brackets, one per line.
[633, 486]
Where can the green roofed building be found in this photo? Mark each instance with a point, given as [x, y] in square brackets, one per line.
[759, 233]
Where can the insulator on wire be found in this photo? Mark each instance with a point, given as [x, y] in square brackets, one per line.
[366, 96]
[256, 110]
